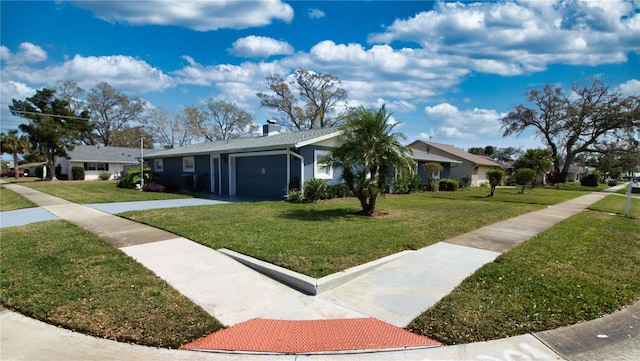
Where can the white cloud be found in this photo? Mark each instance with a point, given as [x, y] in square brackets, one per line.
[208, 75]
[28, 53]
[509, 38]
[12, 90]
[315, 13]
[199, 15]
[122, 72]
[463, 124]
[630, 87]
[260, 47]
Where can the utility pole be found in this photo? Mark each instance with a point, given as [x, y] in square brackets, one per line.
[141, 164]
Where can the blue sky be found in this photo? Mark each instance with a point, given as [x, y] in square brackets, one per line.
[447, 71]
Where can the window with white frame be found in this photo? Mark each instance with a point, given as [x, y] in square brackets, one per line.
[435, 174]
[321, 169]
[96, 166]
[188, 164]
[158, 165]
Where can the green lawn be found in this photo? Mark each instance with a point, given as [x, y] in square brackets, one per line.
[581, 269]
[84, 192]
[10, 200]
[584, 267]
[63, 275]
[320, 239]
[538, 195]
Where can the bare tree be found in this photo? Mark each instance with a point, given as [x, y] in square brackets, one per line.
[319, 96]
[220, 120]
[112, 112]
[171, 130]
[575, 122]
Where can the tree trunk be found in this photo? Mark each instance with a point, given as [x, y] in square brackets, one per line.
[15, 166]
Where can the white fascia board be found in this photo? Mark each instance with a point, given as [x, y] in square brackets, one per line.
[318, 139]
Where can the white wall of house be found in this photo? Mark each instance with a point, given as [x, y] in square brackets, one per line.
[116, 170]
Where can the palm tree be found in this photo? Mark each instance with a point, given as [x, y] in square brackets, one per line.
[13, 144]
[537, 159]
[371, 150]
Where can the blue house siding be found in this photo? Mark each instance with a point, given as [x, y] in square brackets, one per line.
[202, 179]
[172, 170]
[424, 177]
[261, 176]
[308, 153]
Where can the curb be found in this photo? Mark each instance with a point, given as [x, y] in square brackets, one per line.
[309, 285]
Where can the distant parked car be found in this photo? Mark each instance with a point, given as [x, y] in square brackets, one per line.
[612, 182]
[12, 173]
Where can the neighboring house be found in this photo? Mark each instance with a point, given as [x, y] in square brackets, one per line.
[265, 166]
[96, 160]
[30, 168]
[576, 172]
[473, 165]
[421, 158]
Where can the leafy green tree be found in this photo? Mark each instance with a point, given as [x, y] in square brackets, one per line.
[524, 176]
[112, 112]
[495, 179]
[13, 144]
[221, 120]
[53, 127]
[368, 154]
[574, 122]
[507, 154]
[539, 160]
[318, 95]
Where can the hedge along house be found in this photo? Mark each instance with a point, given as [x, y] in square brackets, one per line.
[261, 167]
[96, 160]
[467, 164]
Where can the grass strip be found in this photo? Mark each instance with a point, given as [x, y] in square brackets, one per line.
[84, 192]
[324, 238]
[63, 275]
[10, 200]
[583, 268]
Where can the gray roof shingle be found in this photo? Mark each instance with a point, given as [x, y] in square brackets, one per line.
[277, 141]
[92, 153]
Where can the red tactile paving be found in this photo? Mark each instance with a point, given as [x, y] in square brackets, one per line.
[312, 336]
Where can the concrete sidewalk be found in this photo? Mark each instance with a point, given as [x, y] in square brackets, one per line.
[395, 292]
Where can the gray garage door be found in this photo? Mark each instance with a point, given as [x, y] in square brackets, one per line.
[261, 177]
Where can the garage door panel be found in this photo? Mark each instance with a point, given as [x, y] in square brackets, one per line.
[262, 177]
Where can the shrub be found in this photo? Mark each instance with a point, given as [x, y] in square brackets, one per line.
[407, 183]
[77, 173]
[153, 187]
[465, 181]
[340, 190]
[315, 189]
[104, 176]
[294, 196]
[590, 180]
[133, 178]
[448, 185]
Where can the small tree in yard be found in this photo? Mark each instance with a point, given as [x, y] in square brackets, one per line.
[523, 176]
[368, 154]
[431, 167]
[495, 178]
